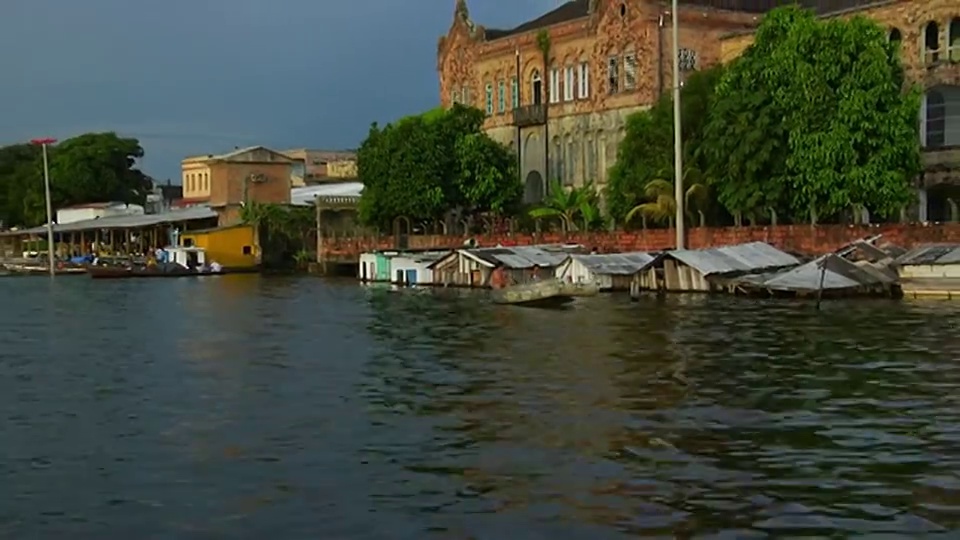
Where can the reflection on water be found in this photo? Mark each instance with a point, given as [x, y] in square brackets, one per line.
[242, 407]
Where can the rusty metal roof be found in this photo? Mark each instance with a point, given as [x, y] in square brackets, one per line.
[521, 257]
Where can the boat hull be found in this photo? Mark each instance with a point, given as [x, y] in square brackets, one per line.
[130, 273]
[548, 293]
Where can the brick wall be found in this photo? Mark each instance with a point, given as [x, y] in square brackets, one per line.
[802, 239]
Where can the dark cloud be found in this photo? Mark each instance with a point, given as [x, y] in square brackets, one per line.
[195, 76]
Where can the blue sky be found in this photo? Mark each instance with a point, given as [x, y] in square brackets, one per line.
[202, 76]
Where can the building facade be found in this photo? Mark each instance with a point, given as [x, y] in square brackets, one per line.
[607, 59]
[228, 181]
[321, 166]
[610, 58]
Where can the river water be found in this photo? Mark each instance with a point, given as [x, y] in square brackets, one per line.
[288, 408]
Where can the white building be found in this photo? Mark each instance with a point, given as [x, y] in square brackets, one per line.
[84, 212]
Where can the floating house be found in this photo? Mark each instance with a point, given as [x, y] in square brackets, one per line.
[474, 267]
[234, 247]
[828, 275]
[611, 272]
[930, 271]
[413, 268]
[706, 270]
[374, 266]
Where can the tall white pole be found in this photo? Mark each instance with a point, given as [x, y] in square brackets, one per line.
[677, 135]
[46, 187]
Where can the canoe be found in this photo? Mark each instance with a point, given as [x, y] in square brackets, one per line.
[546, 293]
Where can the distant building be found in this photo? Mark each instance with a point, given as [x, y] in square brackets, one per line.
[162, 197]
[89, 211]
[322, 166]
[227, 181]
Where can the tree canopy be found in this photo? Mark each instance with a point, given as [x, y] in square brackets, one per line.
[94, 167]
[813, 120]
[426, 165]
[645, 156]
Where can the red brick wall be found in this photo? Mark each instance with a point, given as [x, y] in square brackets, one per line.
[802, 239]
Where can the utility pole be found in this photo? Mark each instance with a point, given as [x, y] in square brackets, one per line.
[43, 143]
[677, 135]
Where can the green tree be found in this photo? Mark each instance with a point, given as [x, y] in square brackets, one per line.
[95, 167]
[646, 153]
[426, 165]
[813, 120]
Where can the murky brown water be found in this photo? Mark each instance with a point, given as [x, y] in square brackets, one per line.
[248, 407]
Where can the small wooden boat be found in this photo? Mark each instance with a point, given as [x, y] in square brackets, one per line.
[546, 293]
[184, 262]
[579, 289]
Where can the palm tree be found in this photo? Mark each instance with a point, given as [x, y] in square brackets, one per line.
[662, 204]
[564, 204]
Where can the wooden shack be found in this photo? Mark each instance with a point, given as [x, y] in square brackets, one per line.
[610, 271]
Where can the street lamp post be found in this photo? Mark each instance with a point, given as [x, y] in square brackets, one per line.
[43, 143]
[677, 138]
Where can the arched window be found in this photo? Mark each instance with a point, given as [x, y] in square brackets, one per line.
[953, 40]
[895, 35]
[536, 87]
[936, 119]
[931, 43]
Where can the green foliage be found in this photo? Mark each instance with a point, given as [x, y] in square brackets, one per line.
[95, 167]
[543, 43]
[574, 207]
[812, 121]
[646, 152]
[284, 232]
[425, 165]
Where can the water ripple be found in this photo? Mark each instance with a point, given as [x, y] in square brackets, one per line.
[298, 408]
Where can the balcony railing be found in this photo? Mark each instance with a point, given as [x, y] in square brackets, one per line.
[530, 115]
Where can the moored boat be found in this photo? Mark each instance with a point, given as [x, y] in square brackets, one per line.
[184, 262]
[545, 293]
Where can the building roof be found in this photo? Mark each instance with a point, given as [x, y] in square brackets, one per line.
[839, 274]
[740, 258]
[569, 11]
[95, 205]
[576, 9]
[617, 264]
[304, 196]
[125, 222]
[521, 257]
[939, 254]
[234, 154]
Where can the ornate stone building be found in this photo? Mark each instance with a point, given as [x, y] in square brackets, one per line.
[610, 58]
[607, 59]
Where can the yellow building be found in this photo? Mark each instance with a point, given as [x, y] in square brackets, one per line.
[195, 175]
[235, 248]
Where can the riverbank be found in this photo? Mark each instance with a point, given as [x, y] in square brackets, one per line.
[802, 239]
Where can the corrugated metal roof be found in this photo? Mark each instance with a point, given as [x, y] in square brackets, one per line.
[840, 274]
[751, 257]
[619, 264]
[126, 222]
[520, 257]
[304, 196]
[934, 255]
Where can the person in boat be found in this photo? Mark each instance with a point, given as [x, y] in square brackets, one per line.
[161, 255]
[535, 274]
